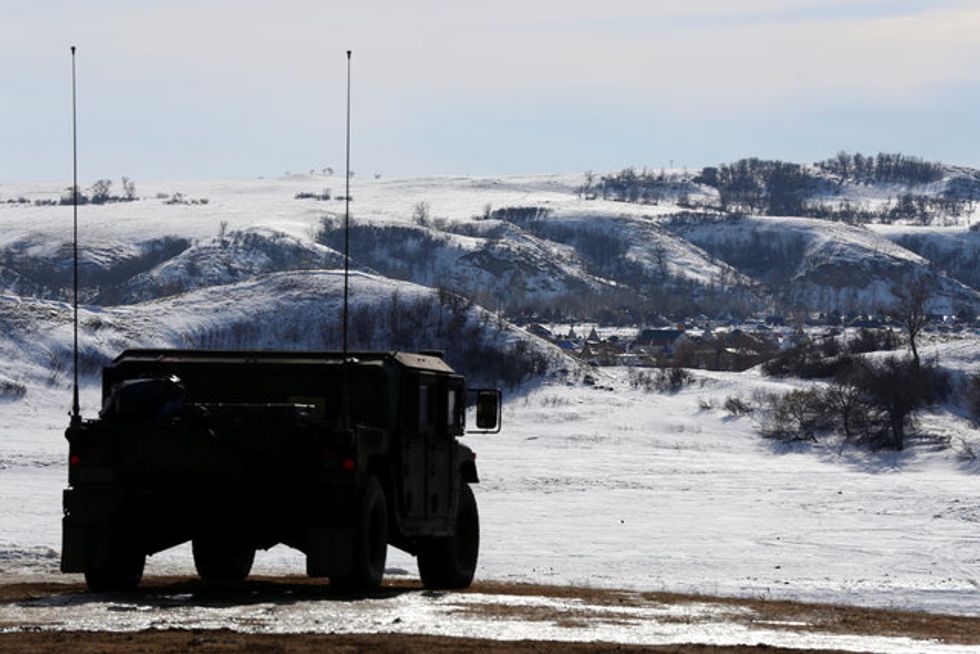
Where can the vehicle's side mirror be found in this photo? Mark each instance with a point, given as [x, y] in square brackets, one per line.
[488, 410]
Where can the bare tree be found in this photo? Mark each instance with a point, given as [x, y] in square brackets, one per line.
[910, 310]
[129, 188]
[100, 191]
[586, 188]
[421, 213]
[661, 255]
[843, 398]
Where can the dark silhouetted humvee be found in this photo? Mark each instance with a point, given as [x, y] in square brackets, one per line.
[234, 451]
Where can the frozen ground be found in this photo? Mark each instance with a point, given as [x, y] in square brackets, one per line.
[604, 487]
[596, 487]
[498, 613]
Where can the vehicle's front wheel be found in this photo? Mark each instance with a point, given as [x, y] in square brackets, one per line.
[451, 562]
[114, 565]
[370, 542]
[222, 561]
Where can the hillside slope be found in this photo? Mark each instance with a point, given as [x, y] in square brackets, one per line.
[290, 310]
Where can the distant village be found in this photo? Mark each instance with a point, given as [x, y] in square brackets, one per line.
[714, 344]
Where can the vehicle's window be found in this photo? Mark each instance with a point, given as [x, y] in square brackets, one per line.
[452, 416]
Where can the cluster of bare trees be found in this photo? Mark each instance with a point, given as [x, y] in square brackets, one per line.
[642, 186]
[761, 186]
[776, 187]
[101, 193]
[884, 167]
[866, 400]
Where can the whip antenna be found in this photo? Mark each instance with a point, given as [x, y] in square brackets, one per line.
[76, 417]
[347, 213]
[344, 391]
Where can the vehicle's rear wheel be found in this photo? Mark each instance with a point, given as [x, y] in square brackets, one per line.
[220, 560]
[114, 565]
[451, 562]
[370, 542]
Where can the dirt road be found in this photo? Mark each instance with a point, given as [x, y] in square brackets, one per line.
[301, 615]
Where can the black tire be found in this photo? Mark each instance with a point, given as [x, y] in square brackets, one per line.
[451, 562]
[222, 561]
[370, 542]
[114, 565]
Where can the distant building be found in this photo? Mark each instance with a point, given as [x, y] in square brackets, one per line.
[657, 339]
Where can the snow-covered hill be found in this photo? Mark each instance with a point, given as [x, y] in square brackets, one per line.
[514, 244]
[821, 265]
[289, 310]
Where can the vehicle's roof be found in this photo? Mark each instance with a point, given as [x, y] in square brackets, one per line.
[409, 360]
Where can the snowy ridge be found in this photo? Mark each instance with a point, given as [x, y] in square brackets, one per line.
[514, 243]
[224, 260]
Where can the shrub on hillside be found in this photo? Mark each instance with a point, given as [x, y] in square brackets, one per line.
[309, 195]
[11, 390]
[873, 340]
[664, 380]
[797, 415]
[519, 215]
[809, 360]
[737, 406]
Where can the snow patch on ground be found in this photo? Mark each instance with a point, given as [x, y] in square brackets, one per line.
[498, 617]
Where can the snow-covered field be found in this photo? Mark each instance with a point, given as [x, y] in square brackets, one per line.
[605, 487]
[613, 487]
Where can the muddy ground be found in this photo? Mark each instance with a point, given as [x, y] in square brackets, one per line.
[809, 618]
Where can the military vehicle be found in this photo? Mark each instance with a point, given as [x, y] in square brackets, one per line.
[335, 455]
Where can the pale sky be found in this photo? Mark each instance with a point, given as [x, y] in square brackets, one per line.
[232, 88]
